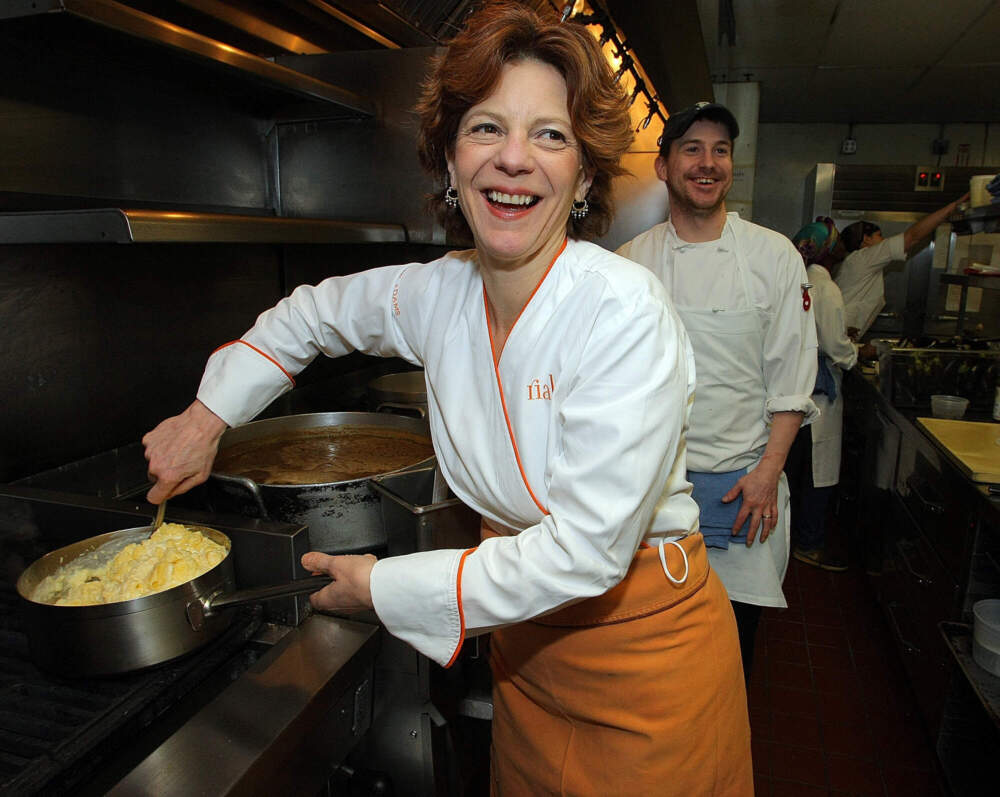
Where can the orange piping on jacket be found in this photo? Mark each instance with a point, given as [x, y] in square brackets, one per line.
[461, 612]
[262, 354]
[496, 371]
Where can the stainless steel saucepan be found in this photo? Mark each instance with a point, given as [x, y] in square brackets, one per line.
[111, 638]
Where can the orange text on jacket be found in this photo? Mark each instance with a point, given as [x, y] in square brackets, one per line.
[538, 389]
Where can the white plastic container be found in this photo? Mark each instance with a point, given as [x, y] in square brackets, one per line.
[978, 195]
[986, 634]
[948, 406]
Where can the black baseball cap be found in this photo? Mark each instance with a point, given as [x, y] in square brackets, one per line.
[678, 123]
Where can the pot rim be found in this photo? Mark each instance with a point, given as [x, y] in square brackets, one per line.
[312, 420]
[199, 586]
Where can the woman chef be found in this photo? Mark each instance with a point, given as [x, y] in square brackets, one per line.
[615, 657]
[813, 465]
[860, 276]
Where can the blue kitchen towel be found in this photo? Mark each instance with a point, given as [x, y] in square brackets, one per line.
[717, 518]
[825, 383]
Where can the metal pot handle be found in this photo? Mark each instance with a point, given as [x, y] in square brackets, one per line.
[249, 486]
[378, 485]
[402, 409]
[201, 608]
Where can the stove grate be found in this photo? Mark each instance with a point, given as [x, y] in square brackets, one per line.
[56, 732]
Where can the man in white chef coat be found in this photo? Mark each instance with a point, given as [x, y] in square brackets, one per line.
[860, 275]
[742, 294]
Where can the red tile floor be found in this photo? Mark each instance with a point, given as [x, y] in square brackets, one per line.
[830, 711]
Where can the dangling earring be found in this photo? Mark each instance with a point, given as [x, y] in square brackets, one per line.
[579, 210]
[451, 197]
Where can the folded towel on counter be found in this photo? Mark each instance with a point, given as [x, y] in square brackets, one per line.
[717, 518]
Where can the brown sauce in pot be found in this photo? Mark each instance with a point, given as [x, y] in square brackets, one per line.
[323, 454]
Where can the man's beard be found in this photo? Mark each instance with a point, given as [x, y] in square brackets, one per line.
[679, 199]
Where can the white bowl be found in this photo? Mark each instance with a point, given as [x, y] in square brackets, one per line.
[986, 634]
[948, 406]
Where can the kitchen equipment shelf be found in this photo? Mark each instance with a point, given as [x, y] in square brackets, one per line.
[986, 686]
[118, 225]
[985, 218]
[136, 26]
[971, 222]
[971, 281]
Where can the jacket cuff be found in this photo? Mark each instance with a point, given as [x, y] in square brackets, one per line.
[803, 404]
[417, 599]
[240, 381]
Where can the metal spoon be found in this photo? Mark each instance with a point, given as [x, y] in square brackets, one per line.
[158, 521]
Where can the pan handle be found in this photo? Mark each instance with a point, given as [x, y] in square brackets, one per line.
[198, 610]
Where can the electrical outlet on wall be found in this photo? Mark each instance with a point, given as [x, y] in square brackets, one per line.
[848, 146]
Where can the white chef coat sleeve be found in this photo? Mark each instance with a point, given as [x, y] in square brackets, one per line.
[877, 257]
[339, 315]
[790, 340]
[831, 324]
[621, 425]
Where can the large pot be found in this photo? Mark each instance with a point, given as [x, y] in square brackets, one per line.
[403, 393]
[110, 638]
[343, 516]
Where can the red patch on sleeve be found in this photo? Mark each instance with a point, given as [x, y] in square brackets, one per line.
[806, 299]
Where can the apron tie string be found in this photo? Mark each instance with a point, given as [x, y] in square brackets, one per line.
[663, 561]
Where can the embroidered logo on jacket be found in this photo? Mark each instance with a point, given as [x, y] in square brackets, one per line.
[537, 389]
[395, 298]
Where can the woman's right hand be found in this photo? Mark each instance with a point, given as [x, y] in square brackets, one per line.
[180, 451]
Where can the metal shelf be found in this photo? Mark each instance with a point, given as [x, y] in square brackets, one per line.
[985, 685]
[972, 280]
[116, 225]
[985, 218]
[138, 26]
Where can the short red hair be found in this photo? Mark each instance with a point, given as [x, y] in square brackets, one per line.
[469, 70]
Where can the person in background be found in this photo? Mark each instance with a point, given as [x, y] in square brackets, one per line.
[813, 465]
[860, 276]
[740, 290]
[558, 385]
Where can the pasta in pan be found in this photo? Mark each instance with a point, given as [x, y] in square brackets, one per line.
[172, 555]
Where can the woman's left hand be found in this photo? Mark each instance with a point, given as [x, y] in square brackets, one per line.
[351, 587]
[760, 502]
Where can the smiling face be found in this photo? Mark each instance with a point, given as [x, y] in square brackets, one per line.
[699, 169]
[518, 168]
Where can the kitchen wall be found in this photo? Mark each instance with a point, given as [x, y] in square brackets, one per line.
[787, 152]
[101, 341]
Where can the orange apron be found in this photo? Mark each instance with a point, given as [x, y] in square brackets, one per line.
[636, 691]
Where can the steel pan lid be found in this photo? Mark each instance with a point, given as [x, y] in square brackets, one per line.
[407, 387]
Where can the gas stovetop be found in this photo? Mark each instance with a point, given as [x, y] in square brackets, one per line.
[203, 723]
[68, 736]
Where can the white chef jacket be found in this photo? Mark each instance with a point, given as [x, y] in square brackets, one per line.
[861, 281]
[831, 333]
[573, 443]
[717, 276]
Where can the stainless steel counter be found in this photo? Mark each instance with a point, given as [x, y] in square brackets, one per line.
[278, 729]
[905, 421]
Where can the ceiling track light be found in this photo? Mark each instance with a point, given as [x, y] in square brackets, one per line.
[609, 34]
